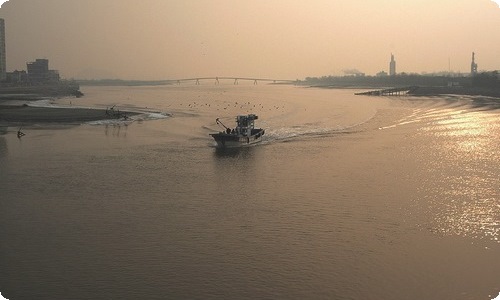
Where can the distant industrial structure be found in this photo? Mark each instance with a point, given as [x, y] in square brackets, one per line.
[473, 65]
[3, 57]
[392, 66]
[37, 80]
[38, 70]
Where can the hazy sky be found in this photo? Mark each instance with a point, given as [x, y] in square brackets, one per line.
[281, 39]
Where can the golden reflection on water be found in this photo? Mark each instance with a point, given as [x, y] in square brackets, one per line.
[464, 189]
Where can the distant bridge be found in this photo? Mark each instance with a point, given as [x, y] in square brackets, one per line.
[390, 92]
[235, 80]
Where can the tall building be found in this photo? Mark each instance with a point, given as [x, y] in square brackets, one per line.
[473, 66]
[3, 57]
[38, 72]
[392, 66]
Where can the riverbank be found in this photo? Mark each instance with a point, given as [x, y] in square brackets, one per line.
[28, 115]
[35, 92]
[458, 90]
[432, 91]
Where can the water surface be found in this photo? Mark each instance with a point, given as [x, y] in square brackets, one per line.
[347, 197]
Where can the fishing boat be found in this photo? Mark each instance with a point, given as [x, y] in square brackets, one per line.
[244, 134]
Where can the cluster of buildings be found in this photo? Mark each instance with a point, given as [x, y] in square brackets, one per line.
[37, 73]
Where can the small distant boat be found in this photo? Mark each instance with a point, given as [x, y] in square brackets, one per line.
[244, 134]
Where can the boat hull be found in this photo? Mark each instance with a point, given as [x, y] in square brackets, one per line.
[225, 140]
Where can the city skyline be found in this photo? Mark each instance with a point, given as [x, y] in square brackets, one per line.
[277, 39]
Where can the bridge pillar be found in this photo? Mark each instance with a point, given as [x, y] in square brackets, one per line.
[236, 81]
[197, 81]
[178, 82]
[216, 80]
[255, 82]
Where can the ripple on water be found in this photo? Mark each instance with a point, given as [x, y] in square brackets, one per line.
[461, 156]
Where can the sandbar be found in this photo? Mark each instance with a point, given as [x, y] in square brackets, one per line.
[24, 115]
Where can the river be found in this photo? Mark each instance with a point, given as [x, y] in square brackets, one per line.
[347, 197]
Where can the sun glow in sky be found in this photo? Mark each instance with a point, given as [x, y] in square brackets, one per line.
[282, 39]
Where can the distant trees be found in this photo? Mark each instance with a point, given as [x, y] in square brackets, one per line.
[487, 80]
[484, 80]
[380, 80]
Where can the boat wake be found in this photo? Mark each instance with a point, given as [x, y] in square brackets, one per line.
[297, 133]
[325, 128]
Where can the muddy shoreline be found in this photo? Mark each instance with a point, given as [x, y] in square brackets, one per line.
[27, 115]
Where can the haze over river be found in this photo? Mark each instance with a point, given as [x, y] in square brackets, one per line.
[347, 197]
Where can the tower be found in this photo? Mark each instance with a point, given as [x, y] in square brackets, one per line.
[3, 57]
[473, 66]
[392, 66]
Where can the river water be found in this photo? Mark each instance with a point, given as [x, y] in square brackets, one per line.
[347, 197]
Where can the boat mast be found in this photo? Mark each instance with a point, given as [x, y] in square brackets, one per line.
[220, 123]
